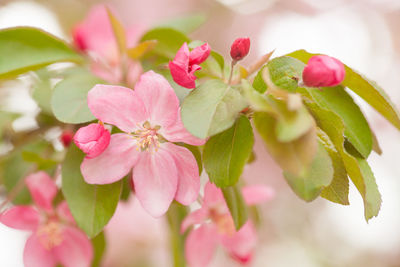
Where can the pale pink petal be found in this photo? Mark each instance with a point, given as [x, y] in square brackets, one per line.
[199, 54]
[114, 163]
[255, 194]
[134, 71]
[133, 34]
[116, 105]
[64, 212]
[200, 245]
[75, 250]
[178, 133]
[35, 255]
[107, 71]
[21, 218]
[155, 179]
[241, 244]
[95, 34]
[159, 99]
[212, 195]
[195, 217]
[188, 173]
[42, 189]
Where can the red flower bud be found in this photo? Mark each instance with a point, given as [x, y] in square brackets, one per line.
[66, 137]
[92, 139]
[240, 48]
[323, 71]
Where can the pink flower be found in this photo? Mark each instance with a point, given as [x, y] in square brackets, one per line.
[202, 241]
[150, 120]
[55, 238]
[240, 48]
[186, 63]
[95, 36]
[92, 139]
[323, 71]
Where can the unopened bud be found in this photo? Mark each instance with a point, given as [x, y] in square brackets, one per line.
[323, 71]
[240, 48]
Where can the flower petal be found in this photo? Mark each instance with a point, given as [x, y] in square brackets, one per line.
[255, 194]
[178, 133]
[75, 250]
[159, 99]
[188, 173]
[92, 139]
[200, 245]
[199, 54]
[241, 244]
[180, 74]
[212, 195]
[155, 179]
[21, 218]
[64, 212]
[42, 189]
[195, 217]
[114, 163]
[35, 255]
[116, 105]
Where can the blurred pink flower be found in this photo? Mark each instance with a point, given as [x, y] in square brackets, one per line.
[149, 116]
[55, 238]
[202, 241]
[185, 64]
[95, 36]
[240, 48]
[323, 71]
[66, 137]
[92, 139]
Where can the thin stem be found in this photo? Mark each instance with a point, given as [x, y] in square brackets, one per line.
[231, 73]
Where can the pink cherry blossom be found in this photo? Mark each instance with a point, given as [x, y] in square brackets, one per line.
[95, 36]
[55, 239]
[323, 71]
[216, 227]
[149, 117]
[240, 48]
[92, 139]
[186, 63]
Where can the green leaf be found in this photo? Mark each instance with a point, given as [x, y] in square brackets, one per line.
[259, 83]
[69, 100]
[226, 153]
[91, 205]
[356, 167]
[99, 246]
[309, 184]
[294, 157]
[211, 108]
[24, 48]
[339, 101]
[338, 190]
[219, 59]
[119, 32]
[141, 49]
[365, 88]
[285, 72]
[185, 24]
[42, 91]
[168, 41]
[175, 216]
[237, 207]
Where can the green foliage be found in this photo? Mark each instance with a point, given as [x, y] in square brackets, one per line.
[365, 88]
[169, 41]
[259, 83]
[285, 72]
[91, 205]
[69, 100]
[175, 216]
[24, 48]
[226, 153]
[99, 246]
[212, 108]
[237, 206]
[309, 184]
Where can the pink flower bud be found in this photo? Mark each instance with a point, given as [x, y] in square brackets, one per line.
[323, 71]
[240, 48]
[66, 137]
[92, 139]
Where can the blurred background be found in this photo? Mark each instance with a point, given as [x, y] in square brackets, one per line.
[364, 34]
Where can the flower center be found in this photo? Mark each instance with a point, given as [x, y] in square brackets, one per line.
[50, 235]
[147, 137]
[223, 221]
